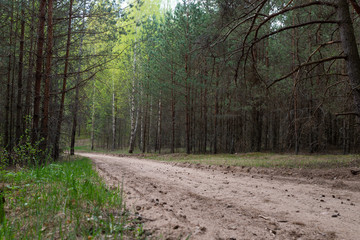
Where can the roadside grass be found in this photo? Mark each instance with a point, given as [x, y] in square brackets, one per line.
[87, 148]
[65, 200]
[252, 159]
[267, 160]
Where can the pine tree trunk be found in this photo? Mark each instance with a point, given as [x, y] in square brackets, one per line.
[93, 120]
[187, 107]
[7, 137]
[20, 77]
[159, 125]
[77, 89]
[205, 111]
[172, 109]
[216, 112]
[113, 117]
[38, 71]
[351, 50]
[49, 53]
[30, 74]
[150, 125]
[63, 92]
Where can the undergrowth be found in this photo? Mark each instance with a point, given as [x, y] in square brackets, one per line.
[66, 200]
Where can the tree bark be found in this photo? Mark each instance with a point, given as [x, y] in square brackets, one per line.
[49, 53]
[172, 111]
[113, 116]
[351, 50]
[30, 74]
[20, 76]
[77, 90]
[159, 125]
[63, 92]
[133, 115]
[38, 71]
[216, 113]
[7, 137]
[93, 120]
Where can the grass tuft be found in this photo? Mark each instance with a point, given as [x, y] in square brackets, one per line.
[65, 200]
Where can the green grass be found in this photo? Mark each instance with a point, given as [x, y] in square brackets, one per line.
[87, 148]
[66, 200]
[263, 160]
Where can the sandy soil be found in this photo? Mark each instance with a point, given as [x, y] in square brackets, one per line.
[176, 201]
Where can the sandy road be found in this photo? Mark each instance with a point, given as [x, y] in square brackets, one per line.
[177, 202]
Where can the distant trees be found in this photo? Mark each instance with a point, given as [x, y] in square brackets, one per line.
[232, 76]
[208, 76]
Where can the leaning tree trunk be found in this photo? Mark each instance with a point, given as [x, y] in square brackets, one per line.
[351, 50]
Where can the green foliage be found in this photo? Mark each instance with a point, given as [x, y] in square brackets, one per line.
[30, 153]
[65, 200]
[4, 157]
[25, 152]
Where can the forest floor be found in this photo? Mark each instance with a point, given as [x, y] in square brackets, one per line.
[183, 200]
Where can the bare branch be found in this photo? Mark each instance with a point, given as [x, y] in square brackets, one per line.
[303, 65]
[347, 113]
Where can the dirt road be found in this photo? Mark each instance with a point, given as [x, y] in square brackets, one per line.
[177, 202]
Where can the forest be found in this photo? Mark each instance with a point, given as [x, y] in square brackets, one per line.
[206, 76]
[187, 119]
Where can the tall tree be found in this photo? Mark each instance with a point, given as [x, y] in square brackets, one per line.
[38, 72]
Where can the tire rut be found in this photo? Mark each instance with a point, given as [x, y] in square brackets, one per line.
[177, 203]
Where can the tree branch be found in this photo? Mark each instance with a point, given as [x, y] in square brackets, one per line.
[303, 65]
[356, 6]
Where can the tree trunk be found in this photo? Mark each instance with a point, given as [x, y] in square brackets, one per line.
[113, 116]
[149, 128]
[133, 115]
[30, 71]
[172, 110]
[351, 50]
[49, 53]
[38, 71]
[77, 90]
[145, 125]
[216, 112]
[159, 125]
[63, 93]
[20, 76]
[187, 107]
[7, 140]
[74, 122]
[93, 120]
